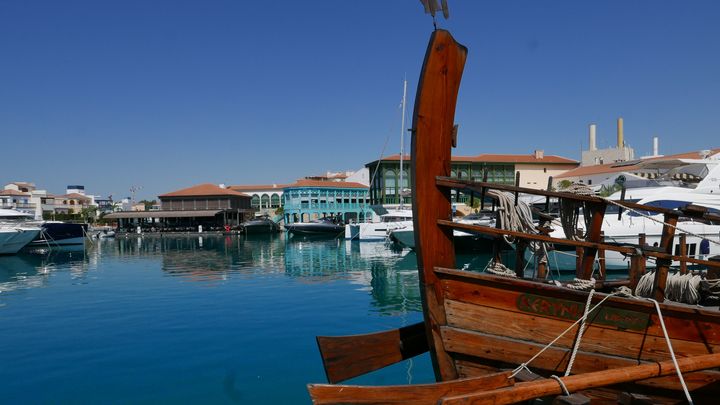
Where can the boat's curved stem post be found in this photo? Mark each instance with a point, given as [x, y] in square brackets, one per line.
[433, 123]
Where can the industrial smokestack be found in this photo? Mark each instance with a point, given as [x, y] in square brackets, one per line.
[593, 146]
[655, 146]
[620, 136]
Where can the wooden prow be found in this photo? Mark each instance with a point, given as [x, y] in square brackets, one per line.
[345, 357]
[433, 123]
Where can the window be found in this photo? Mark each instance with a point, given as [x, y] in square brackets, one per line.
[255, 201]
[390, 182]
[274, 201]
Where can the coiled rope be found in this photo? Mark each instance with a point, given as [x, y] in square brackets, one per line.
[570, 211]
[518, 218]
[683, 288]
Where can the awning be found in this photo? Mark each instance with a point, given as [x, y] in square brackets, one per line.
[162, 214]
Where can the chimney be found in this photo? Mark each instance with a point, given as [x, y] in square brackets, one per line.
[655, 146]
[593, 146]
[620, 140]
[539, 153]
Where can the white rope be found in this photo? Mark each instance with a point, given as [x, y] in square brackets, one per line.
[570, 211]
[683, 288]
[645, 285]
[517, 217]
[578, 339]
[499, 269]
[513, 217]
[581, 285]
[562, 384]
[672, 352]
[549, 345]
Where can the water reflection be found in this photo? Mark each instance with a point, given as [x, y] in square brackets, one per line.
[30, 269]
[388, 276]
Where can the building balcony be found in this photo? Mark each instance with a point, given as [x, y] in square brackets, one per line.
[23, 206]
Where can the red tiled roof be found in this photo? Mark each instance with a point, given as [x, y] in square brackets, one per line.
[494, 158]
[13, 192]
[258, 187]
[626, 166]
[207, 189]
[76, 196]
[327, 184]
[596, 169]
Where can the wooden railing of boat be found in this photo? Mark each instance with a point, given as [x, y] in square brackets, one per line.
[478, 326]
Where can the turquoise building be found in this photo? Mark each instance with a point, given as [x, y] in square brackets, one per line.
[306, 200]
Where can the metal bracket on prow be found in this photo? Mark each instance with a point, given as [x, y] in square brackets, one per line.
[454, 135]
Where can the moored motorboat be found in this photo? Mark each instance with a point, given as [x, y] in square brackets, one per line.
[260, 225]
[317, 227]
[55, 233]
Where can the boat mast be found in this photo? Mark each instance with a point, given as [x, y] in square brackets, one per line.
[402, 144]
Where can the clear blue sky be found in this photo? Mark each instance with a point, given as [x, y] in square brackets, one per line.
[168, 94]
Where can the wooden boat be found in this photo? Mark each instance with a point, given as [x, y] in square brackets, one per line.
[485, 332]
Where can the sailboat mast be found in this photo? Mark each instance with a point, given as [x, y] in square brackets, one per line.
[402, 144]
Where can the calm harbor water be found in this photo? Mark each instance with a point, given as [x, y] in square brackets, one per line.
[196, 320]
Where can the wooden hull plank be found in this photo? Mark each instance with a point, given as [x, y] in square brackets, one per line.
[555, 359]
[682, 322]
[575, 383]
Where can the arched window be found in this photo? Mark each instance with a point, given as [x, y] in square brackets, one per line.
[265, 201]
[390, 182]
[274, 201]
[255, 201]
[405, 181]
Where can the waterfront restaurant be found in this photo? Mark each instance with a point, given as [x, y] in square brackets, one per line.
[207, 205]
[534, 169]
[306, 200]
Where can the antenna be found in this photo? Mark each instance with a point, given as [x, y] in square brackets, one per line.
[134, 189]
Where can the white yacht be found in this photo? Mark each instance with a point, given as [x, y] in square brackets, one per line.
[15, 231]
[378, 231]
[686, 181]
[403, 235]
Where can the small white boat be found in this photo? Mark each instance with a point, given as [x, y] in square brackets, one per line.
[378, 231]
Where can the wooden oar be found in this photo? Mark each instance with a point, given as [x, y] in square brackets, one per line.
[545, 387]
[420, 394]
[346, 357]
